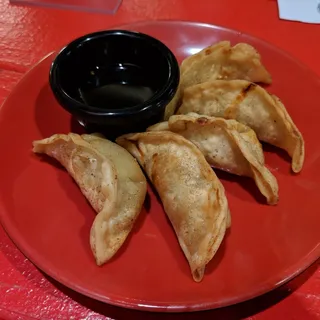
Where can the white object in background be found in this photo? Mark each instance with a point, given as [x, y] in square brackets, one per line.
[300, 10]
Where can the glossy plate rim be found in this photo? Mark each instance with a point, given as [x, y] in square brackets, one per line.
[131, 303]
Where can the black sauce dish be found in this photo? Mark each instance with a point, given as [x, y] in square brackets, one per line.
[115, 81]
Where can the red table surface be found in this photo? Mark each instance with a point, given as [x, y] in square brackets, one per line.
[29, 33]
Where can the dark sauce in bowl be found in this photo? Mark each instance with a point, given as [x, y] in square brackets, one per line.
[117, 86]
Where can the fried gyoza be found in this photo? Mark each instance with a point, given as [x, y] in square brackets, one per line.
[222, 61]
[219, 61]
[227, 145]
[111, 180]
[192, 195]
[251, 105]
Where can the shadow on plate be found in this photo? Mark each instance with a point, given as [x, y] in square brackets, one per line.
[76, 127]
[216, 260]
[281, 154]
[248, 190]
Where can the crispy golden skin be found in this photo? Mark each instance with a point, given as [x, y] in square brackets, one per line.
[109, 177]
[192, 195]
[219, 61]
[251, 105]
[223, 62]
[227, 145]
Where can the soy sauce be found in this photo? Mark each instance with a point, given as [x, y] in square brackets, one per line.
[117, 87]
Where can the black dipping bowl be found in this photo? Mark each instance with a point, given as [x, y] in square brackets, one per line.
[115, 81]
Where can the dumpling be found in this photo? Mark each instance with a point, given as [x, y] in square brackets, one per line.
[227, 145]
[219, 61]
[111, 180]
[222, 61]
[192, 195]
[251, 105]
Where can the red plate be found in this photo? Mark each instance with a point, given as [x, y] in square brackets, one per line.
[47, 217]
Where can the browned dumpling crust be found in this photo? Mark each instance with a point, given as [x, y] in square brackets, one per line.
[192, 195]
[219, 61]
[227, 145]
[251, 105]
